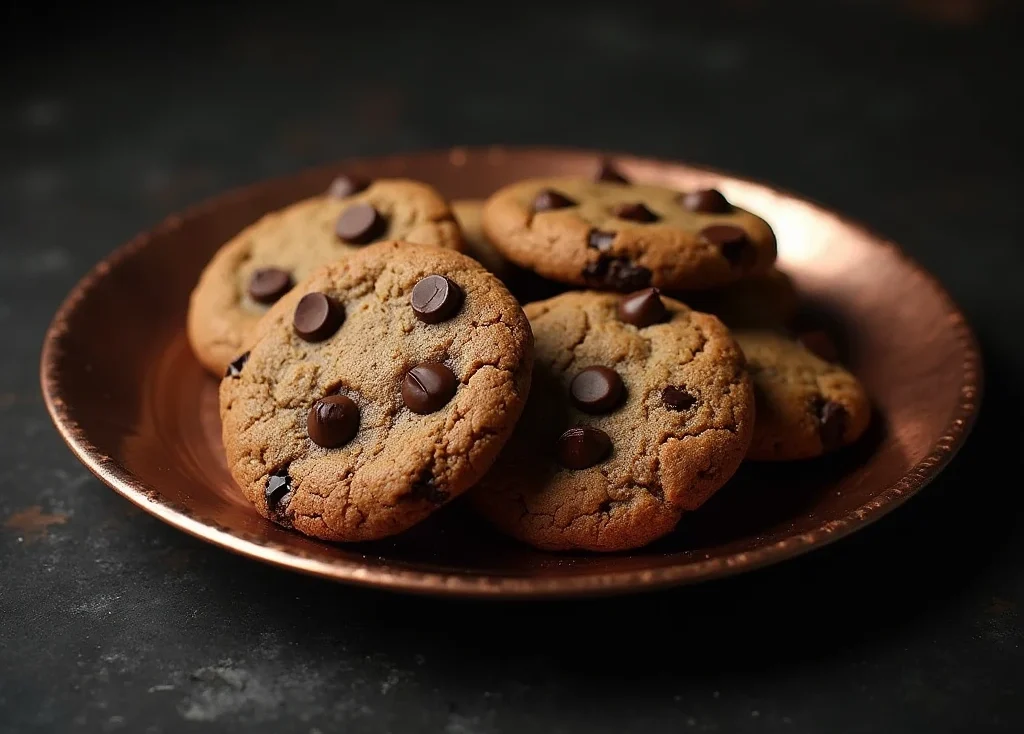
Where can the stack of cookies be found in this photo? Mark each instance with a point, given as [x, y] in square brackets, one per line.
[383, 351]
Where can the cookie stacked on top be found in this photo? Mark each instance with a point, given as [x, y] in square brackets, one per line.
[372, 372]
[378, 389]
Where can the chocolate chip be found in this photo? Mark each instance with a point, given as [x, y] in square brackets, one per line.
[360, 224]
[677, 398]
[739, 254]
[635, 212]
[428, 387]
[582, 447]
[345, 185]
[435, 299]
[706, 201]
[606, 171]
[732, 241]
[831, 422]
[317, 316]
[278, 493]
[643, 308]
[235, 368]
[597, 390]
[332, 421]
[600, 240]
[267, 285]
[426, 489]
[616, 273]
[624, 275]
[549, 199]
[820, 344]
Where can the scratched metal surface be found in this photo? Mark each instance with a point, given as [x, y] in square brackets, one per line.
[900, 117]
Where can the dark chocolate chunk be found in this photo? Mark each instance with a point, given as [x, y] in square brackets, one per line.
[549, 199]
[607, 172]
[706, 201]
[278, 493]
[317, 316]
[361, 224]
[426, 488]
[597, 390]
[235, 368]
[267, 285]
[435, 299]
[616, 273]
[345, 185]
[636, 212]
[677, 398]
[582, 447]
[643, 308]
[732, 241]
[333, 421]
[428, 387]
[832, 419]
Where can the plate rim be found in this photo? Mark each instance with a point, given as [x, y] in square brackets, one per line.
[397, 576]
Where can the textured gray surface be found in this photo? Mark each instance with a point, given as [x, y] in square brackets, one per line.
[114, 622]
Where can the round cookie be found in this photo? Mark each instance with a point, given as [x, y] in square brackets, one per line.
[766, 300]
[467, 214]
[806, 406]
[612, 235]
[264, 261]
[640, 410]
[381, 387]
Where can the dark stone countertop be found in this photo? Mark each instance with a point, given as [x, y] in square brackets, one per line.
[906, 119]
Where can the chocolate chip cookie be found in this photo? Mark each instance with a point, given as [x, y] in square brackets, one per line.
[765, 300]
[806, 405]
[378, 389]
[265, 260]
[609, 234]
[640, 410]
[467, 214]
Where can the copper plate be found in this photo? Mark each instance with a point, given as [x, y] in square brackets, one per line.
[136, 408]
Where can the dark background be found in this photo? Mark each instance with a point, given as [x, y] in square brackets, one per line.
[904, 115]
